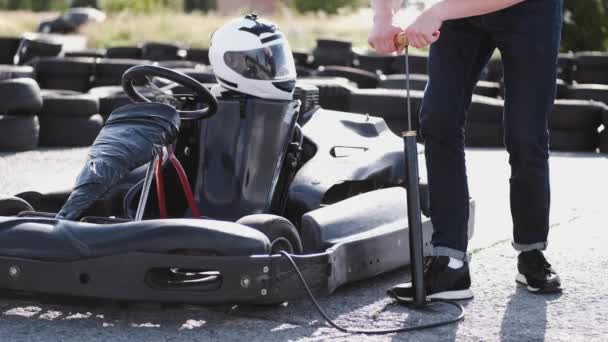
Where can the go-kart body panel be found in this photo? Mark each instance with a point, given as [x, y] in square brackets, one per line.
[242, 149]
[350, 148]
[238, 161]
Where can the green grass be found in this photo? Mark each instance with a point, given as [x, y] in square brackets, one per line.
[127, 28]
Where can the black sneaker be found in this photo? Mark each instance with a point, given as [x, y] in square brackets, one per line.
[536, 273]
[440, 282]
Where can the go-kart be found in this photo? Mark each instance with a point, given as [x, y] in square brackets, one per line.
[268, 177]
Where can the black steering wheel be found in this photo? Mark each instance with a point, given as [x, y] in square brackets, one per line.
[142, 74]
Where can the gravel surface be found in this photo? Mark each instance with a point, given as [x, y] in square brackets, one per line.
[500, 310]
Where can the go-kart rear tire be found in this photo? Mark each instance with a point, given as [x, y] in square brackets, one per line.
[18, 133]
[282, 234]
[69, 131]
[12, 206]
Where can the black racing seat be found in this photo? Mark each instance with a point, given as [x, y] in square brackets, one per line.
[62, 240]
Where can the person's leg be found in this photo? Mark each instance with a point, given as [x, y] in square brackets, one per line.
[455, 62]
[529, 44]
[528, 38]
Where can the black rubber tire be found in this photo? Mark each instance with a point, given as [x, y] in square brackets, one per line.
[12, 206]
[110, 98]
[363, 78]
[202, 75]
[280, 232]
[561, 89]
[198, 55]
[162, 51]
[487, 88]
[110, 71]
[604, 140]
[69, 105]
[8, 72]
[61, 67]
[65, 73]
[18, 133]
[92, 53]
[333, 52]
[308, 95]
[301, 59]
[20, 96]
[591, 67]
[29, 50]
[179, 64]
[596, 92]
[485, 110]
[61, 131]
[493, 71]
[480, 134]
[334, 44]
[305, 72]
[129, 52]
[418, 64]
[389, 104]
[8, 49]
[417, 82]
[334, 93]
[576, 115]
[565, 65]
[374, 62]
[573, 140]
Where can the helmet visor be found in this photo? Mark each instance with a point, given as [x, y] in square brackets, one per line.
[267, 63]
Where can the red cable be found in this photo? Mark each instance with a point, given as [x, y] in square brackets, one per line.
[160, 186]
[183, 178]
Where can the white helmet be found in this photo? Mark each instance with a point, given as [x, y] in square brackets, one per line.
[251, 56]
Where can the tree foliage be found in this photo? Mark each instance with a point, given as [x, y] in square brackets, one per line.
[327, 6]
[585, 25]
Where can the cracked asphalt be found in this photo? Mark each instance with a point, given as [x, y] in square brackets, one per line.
[501, 311]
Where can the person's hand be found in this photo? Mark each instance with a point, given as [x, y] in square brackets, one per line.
[382, 36]
[424, 31]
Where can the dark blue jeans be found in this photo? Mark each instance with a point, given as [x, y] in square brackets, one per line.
[528, 37]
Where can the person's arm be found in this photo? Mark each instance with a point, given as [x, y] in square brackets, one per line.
[425, 30]
[381, 36]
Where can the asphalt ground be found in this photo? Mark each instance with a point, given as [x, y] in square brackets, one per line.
[501, 311]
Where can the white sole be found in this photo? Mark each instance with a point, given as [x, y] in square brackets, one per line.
[447, 295]
[453, 295]
[521, 279]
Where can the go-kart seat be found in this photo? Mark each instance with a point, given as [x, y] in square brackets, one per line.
[62, 240]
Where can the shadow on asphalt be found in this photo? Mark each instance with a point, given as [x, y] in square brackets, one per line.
[526, 316]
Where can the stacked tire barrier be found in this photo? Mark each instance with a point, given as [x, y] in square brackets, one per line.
[69, 119]
[20, 102]
[347, 79]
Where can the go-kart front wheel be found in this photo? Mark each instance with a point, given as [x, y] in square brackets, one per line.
[282, 234]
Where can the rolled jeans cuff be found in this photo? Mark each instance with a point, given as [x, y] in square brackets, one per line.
[449, 252]
[541, 246]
